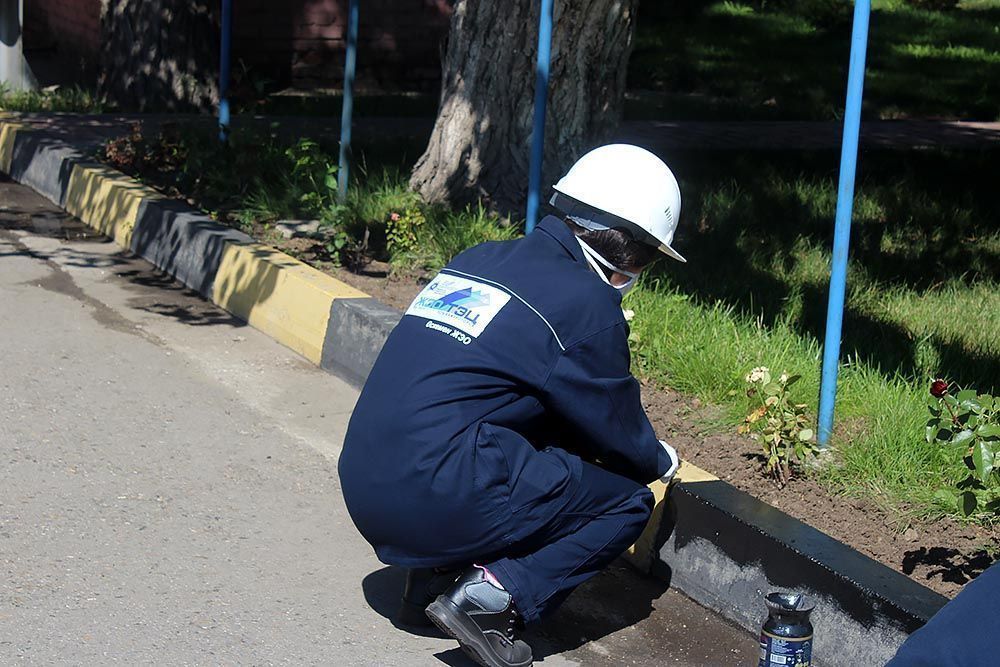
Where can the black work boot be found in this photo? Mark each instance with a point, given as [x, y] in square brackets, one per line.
[423, 585]
[482, 618]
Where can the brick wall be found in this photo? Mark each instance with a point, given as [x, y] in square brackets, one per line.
[302, 41]
[297, 42]
[72, 27]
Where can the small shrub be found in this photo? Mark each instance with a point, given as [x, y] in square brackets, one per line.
[969, 423]
[402, 229]
[780, 425]
[313, 173]
[127, 153]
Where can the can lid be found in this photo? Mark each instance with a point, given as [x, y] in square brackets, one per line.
[789, 602]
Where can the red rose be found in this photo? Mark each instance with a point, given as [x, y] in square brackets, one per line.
[939, 388]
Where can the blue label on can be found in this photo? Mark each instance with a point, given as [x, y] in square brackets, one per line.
[785, 651]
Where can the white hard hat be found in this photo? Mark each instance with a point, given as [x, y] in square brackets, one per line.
[619, 186]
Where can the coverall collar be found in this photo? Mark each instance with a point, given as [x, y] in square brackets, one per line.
[558, 230]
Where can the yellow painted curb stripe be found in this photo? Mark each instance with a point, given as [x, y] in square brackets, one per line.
[641, 554]
[107, 200]
[692, 473]
[7, 132]
[286, 299]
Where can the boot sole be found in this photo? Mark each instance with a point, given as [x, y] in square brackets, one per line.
[456, 624]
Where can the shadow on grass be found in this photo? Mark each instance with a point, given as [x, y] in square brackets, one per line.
[759, 228]
[788, 60]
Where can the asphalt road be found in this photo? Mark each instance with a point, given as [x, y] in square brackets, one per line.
[168, 490]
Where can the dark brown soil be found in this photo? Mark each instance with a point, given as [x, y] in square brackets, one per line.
[943, 555]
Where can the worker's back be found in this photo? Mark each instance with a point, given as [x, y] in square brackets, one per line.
[461, 395]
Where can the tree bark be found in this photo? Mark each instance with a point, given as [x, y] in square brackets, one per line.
[480, 145]
[160, 55]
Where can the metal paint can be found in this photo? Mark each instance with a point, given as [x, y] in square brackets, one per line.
[787, 636]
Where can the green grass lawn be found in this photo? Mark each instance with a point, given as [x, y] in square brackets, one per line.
[753, 59]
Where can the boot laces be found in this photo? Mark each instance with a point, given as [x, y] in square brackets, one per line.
[511, 624]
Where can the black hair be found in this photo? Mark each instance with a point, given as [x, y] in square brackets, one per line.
[616, 246]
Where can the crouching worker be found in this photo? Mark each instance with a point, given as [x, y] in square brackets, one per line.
[499, 448]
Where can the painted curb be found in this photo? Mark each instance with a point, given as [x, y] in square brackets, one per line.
[366, 323]
[283, 297]
[718, 545]
[725, 549]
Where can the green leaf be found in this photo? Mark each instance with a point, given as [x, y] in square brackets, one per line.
[805, 434]
[772, 389]
[792, 379]
[971, 405]
[963, 437]
[970, 482]
[930, 432]
[946, 497]
[965, 395]
[983, 459]
[988, 431]
[967, 503]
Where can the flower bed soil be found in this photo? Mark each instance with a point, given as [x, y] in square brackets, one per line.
[942, 555]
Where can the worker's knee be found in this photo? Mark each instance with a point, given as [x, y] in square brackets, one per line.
[639, 507]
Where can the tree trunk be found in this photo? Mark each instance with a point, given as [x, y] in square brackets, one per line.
[160, 55]
[480, 146]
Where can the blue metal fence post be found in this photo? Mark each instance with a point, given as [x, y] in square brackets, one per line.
[538, 128]
[225, 65]
[347, 111]
[842, 227]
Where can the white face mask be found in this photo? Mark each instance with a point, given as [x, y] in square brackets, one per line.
[596, 262]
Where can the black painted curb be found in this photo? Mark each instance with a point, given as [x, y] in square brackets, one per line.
[44, 163]
[725, 549]
[183, 242]
[354, 337]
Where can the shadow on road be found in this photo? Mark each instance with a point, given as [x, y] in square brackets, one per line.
[616, 599]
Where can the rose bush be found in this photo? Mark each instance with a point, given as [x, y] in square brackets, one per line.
[969, 423]
[778, 423]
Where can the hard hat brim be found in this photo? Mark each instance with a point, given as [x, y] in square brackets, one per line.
[670, 252]
[574, 208]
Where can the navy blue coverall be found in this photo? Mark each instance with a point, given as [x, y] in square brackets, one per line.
[963, 633]
[501, 425]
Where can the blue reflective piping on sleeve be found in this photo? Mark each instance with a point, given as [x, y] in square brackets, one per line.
[513, 294]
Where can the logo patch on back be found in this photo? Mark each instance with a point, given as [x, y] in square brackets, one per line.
[462, 303]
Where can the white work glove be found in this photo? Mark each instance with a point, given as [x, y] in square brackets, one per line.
[675, 463]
